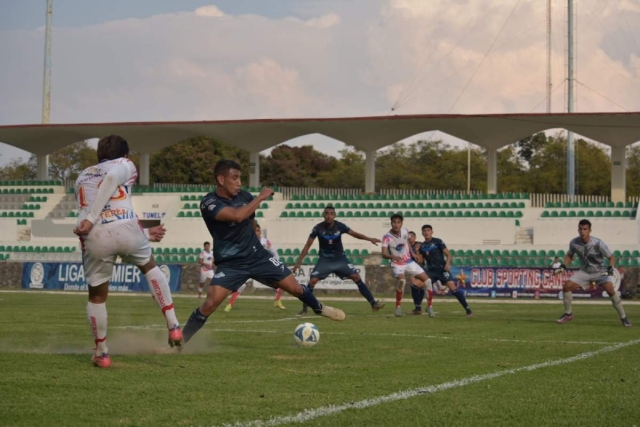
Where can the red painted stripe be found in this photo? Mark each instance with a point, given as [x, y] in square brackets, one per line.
[101, 339]
[167, 307]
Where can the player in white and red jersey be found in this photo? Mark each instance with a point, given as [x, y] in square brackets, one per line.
[206, 266]
[266, 243]
[395, 247]
[108, 227]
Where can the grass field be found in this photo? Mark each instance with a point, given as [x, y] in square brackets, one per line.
[244, 368]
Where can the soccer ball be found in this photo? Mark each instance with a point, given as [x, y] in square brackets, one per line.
[306, 334]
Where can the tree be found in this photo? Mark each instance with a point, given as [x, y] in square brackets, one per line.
[530, 146]
[192, 161]
[295, 166]
[19, 170]
[348, 173]
[593, 169]
[67, 163]
[633, 171]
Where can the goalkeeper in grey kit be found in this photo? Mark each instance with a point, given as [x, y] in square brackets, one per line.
[592, 252]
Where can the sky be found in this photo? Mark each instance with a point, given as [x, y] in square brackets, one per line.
[149, 60]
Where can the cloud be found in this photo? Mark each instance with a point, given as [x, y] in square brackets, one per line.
[346, 59]
[325, 21]
[210, 10]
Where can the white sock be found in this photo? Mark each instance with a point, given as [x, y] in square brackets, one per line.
[429, 285]
[97, 315]
[242, 288]
[567, 298]
[617, 304]
[160, 290]
[200, 289]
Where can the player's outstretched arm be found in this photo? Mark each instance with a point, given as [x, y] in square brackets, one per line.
[229, 214]
[303, 253]
[363, 237]
[117, 176]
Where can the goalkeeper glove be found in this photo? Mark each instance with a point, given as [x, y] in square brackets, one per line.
[560, 269]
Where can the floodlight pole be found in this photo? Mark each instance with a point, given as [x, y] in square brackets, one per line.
[571, 153]
[42, 171]
[46, 98]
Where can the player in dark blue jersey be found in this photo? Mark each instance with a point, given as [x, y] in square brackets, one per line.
[229, 215]
[416, 284]
[436, 260]
[332, 259]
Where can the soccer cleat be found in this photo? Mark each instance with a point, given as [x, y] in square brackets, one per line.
[377, 305]
[430, 312]
[303, 312]
[175, 337]
[565, 318]
[278, 304]
[103, 361]
[626, 322]
[398, 312]
[228, 308]
[417, 312]
[469, 312]
[333, 313]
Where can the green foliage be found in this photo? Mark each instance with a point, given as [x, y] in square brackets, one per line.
[68, 162]
[633, 171]
[295, 166]
[19, 170]
[192, 161]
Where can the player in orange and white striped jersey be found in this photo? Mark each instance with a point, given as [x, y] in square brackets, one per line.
[266, 243]
[108, 227]
[395, 247]
[205, 259]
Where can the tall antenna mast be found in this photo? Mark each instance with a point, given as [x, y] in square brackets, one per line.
[571, 153]
[549, 48]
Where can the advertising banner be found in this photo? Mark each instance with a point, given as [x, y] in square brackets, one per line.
[518, 282]
[331, 282]
[69, 276]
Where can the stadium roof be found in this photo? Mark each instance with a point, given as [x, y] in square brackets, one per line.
[491, 131]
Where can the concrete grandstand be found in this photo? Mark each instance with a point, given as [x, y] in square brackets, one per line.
[505, 229]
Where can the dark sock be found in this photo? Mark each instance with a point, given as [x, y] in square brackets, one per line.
[459, 294]
[309, 299]
[194, 324]
[417, 297]
[365, 292]
[304, 306]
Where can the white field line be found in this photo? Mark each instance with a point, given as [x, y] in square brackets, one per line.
[437, 300]
[436, 337]
[324, 411]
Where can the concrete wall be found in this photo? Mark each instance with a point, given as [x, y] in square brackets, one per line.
[614, 232]
[8, 229]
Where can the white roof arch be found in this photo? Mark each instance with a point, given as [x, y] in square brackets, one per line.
[491, 131]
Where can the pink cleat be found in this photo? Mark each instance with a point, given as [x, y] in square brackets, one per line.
[565, 318]
[175, 337]
[103, 361]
